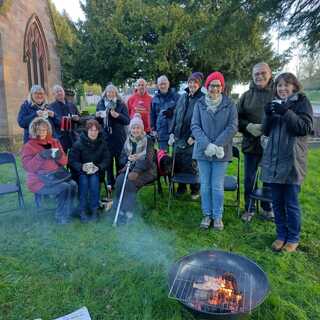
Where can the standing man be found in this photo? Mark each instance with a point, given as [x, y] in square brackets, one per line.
[140, 102]
[162, 111]
[66, 114]
[251, 112]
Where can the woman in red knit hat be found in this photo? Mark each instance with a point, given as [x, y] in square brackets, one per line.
[214, 123]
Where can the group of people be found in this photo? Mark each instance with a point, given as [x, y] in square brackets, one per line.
[274, 117]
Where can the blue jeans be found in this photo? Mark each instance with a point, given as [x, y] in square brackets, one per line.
[251, 162]
[89, 188]
[212, 187]
[287, 214]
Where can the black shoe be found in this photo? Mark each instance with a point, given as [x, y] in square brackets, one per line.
[181, 191]
[84, 218]
[95, 215]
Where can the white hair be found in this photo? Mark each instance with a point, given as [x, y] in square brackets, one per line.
[140, 79]
[56, 88]
[34, 89]
[111, 87]
[162, 78]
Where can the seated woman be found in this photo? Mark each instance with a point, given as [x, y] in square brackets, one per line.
[43, 158]
[139, 153]
[88, 157]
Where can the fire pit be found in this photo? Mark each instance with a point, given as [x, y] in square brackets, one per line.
[215, 284]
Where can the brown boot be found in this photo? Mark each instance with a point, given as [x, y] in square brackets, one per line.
[277, 245]
[290, 247]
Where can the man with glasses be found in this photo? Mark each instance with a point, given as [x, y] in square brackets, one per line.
[251, 112]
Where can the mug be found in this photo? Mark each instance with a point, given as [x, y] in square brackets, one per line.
[53, 152]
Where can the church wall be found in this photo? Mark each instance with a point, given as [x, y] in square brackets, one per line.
[15, 76]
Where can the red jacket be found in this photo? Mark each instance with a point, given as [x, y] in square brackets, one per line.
[33, 163]
[141, 104]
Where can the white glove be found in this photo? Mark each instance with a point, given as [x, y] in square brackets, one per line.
[255, 129]
[171, 139]
[211, 150]
[220, 152]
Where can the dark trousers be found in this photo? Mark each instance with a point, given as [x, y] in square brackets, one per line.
[65, 194]
[89, 191]
[287, 212]
[251, 162]
[194, 188]
[130, 194]
[110, 169]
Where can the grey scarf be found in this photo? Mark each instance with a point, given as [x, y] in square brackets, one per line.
[212, 105]
[141, 149]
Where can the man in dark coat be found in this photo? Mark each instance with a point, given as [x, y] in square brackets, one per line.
[162, 111]
[181, 135]
[67, 115]
[251, 112]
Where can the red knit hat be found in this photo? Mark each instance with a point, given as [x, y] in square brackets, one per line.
[215, 76]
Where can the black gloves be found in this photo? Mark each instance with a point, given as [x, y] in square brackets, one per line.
[168, 113]
[45, 154]
[281, 109]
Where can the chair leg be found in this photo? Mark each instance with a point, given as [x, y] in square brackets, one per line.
[171, 186]
[154, 194]
[21, 200]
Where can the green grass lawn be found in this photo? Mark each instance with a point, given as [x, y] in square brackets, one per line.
[313, 95]
[47, 270]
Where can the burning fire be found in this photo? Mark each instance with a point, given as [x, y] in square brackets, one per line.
[219, 292]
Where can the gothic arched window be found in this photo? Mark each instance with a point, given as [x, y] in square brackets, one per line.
[36, 53]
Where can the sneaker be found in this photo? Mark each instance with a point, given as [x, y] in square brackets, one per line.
[247, 216]
[277, 245]
[290, 247]
[205, 222]
[195, 196]
[267, 215]
[218, 224]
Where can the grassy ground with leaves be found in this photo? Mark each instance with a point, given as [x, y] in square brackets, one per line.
[47, 270]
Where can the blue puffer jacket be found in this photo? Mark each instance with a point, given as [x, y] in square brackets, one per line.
[160, 105]
[27, 113]
[217, 127]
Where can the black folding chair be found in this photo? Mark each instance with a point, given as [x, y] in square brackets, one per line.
[232, 183]
[7, 188]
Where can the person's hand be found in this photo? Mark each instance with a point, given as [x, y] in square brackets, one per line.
[281, 108]
[220, 152]
[190, 141]
[50, 113]
[114, 114]
[255, 129]
[154, 134]
[168, 113]
[39, 113]
[94, 169]
[133, 157]
[56, 155]
[46, 154]
[211, 150]
[171, 139]
[75, 117]
[85, 167]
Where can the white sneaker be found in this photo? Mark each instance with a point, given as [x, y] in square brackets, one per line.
[205, 222]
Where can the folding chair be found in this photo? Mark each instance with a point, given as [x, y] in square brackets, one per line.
[7, 188]
[259, 192]
[232, 183]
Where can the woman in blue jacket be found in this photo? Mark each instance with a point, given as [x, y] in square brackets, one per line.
[214, 123]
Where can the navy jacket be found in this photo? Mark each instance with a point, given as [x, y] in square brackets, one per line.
[27, 113]
[114, 130]
[159, 106]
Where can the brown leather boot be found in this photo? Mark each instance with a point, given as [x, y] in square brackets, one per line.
[290, 247]
[277, 245]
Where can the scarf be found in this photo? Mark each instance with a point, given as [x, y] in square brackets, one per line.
[141, 146]
[212, 104]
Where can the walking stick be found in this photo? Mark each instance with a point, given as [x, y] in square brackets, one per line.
[121, 194]
[171, 186]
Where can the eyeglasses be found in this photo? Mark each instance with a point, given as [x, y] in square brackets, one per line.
[215, 86]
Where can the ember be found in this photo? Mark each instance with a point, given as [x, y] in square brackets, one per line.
[218, 292]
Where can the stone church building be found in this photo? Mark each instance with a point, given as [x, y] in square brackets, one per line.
[28, 55]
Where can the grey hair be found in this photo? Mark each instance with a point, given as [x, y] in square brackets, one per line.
[162, 78]
[57, 87]
[111, 87]
[36, 123]
[35, 88]
[140, 79]
[262, 64]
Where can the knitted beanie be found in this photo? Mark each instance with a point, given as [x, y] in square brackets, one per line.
[136, 121]
[196, 76]
[215, 76]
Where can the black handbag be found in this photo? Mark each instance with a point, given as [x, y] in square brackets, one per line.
[55, 177]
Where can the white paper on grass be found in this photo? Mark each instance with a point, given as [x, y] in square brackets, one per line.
[81, 314]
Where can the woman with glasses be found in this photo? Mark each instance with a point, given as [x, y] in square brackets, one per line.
[214, 123]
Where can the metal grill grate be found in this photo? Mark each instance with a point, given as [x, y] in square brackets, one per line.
[184, 291]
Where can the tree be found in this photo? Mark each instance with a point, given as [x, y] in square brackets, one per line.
[126, 39]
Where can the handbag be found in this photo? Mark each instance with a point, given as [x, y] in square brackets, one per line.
[55, 177]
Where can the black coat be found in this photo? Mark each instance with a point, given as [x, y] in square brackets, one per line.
[115, 132]
[87, 150]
